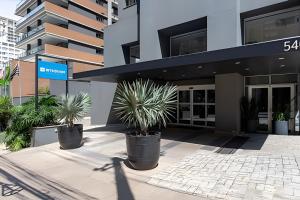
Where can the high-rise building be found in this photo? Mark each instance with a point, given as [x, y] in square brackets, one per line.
[68, 29]
[8, 37]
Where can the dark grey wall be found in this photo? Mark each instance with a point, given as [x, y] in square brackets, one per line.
[80, 47]
[229, 91]
[82, 30]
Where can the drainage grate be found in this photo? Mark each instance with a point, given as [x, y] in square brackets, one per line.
[233, 145]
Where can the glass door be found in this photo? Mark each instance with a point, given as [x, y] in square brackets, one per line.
[283, 101]
[260, 95]
[273, 99]
[196, 105]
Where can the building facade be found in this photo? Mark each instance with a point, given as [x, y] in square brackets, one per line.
[8, 38]
[216, 52]
[65, 29]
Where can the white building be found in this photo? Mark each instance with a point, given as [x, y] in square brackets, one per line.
[8, 39]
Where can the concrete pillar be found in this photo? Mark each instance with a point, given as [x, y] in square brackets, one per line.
[229, 90]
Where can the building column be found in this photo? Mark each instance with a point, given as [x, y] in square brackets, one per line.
[229, 91]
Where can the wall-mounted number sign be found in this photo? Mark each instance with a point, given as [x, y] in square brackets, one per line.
[291, 45]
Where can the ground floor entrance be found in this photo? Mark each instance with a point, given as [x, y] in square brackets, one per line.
[271, 100]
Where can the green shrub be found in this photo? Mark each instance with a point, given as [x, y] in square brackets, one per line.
[5, 111]
[25, 118]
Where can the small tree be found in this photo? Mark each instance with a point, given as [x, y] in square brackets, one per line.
[144, 104]
[74, 108]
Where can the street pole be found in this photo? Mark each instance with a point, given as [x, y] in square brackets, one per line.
[67, 81]
[36, 83]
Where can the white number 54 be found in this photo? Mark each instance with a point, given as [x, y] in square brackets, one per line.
[288, 46]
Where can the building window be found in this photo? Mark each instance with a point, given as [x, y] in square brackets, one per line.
[130, 3]
[134, 54]
[272, 26]
[188, 43]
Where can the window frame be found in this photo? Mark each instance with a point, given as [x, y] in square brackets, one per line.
[261, 16]
[184, 35]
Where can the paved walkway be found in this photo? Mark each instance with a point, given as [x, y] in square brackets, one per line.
[265, 167]
[213, 175]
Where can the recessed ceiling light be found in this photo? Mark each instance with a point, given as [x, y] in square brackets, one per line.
[214, 72]
[247, 69]
[164, 71]
[183, 75]
[237, 63]
[282, 66]
[199, 67]
[281, 58]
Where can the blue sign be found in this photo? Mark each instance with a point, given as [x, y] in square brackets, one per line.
[51, 70]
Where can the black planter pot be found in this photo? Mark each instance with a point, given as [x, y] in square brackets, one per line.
[70, 137]
[143, 151]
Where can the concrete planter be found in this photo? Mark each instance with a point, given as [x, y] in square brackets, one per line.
[44, 135]
[281, 127]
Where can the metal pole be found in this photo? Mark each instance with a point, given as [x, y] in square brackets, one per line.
[67, 81]
[36, 82]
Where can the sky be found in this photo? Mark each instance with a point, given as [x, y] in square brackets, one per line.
[8, 8]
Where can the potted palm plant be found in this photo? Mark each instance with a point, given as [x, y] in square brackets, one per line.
[281, 123]
[72, 108]
[144, 106]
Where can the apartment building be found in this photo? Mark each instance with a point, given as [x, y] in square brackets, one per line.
[67, 29]
[216, 52]
[8, 38]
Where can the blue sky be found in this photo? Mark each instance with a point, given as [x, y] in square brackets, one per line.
[8, 8]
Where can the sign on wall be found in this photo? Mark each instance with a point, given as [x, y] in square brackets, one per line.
[51, 70]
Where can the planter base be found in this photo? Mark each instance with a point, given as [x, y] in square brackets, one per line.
[143, 151]
[70, 137]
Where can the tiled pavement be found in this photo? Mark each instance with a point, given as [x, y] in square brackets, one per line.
[265, 167]
[244, 175]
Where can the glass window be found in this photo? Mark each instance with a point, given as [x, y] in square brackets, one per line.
[134, 54]
[130, 3]
[272, 27]
[189, 43]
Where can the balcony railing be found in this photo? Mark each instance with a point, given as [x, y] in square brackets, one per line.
[32, 51]
[21, 3]
[30, 33]
[34, 11]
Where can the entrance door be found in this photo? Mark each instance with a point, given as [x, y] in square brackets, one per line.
[272, 99]
[196, 105]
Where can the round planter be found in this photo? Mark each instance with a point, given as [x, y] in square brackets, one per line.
[251, 126]
[70, 137]
[143, 151]
[281, 127]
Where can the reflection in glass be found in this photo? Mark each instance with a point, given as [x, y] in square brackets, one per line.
[211, 96]
[199, 112]
[199, 96]
[261, 98]
[184, 112]
[184, 96]
[211, 113]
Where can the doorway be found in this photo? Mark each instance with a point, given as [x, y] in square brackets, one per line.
[272, 99]
[196, 106]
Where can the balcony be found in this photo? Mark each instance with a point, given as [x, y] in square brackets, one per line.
[22, 5]
[72, 54]
[55, 30]
[61, 12]
[29, 15]
[91, 6]
[73, 16]
[30, 33]
[31, 52]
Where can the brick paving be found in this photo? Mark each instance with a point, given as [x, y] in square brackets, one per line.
[235, 176]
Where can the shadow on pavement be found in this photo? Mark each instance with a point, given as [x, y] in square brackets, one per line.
[37, 185]
[123, 187]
